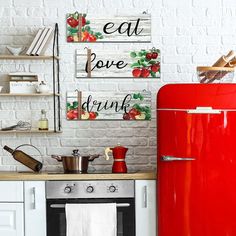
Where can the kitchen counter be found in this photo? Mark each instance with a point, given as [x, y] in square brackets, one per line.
[146, 175]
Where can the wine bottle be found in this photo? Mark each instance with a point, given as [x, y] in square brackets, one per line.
[25, 159]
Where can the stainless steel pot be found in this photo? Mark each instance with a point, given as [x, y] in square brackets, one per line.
[75, 163]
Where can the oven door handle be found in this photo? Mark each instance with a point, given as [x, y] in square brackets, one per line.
[63, 205]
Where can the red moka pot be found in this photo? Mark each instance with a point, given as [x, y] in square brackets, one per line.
[119, 164]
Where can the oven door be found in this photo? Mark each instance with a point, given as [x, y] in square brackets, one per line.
[56, 220]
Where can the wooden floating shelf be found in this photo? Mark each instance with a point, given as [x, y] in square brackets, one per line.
[25, 57]
[28, 95]
[29, 131]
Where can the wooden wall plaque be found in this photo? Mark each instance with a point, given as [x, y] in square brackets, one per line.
[108, 106]
[82, 28]
[143, 63]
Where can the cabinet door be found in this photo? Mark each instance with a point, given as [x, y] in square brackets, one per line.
[11, 219]
[35, 208]
[145, 207]
[12, 191]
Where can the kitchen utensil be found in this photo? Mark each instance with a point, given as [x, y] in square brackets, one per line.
[221, 74]
[24, 158]
[221, 62]
[118, 152]
[75, 163]
[15, 50]
[21, 125]
[231, 64]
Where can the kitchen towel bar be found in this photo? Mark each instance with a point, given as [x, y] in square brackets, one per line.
[63, 205]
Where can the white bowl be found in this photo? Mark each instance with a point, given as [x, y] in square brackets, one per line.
[15, 50]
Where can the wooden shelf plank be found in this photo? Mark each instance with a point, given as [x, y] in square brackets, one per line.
[25, 57]
[29, 131]
[28, 95]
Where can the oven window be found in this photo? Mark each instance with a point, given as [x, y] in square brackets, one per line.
[56, 220]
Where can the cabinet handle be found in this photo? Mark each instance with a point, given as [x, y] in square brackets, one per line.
[145, 196]
[34, 198]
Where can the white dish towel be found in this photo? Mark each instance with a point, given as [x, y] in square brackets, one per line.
[91, 219]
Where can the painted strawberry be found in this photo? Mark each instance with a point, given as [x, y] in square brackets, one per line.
[155, 67]
[91, 38]
[85, 36]
[145, 73]
[133, 112]
[71, 115]
[154, 55]
[75, 112]
[126, 116]
[93, 115]
[72, 22]
[70, 39]
[136, 72]
[149, 56]
[83, 21]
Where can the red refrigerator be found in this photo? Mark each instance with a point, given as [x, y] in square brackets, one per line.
[196, 180]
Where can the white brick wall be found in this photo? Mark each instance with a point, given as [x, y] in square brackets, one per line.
[189, 33]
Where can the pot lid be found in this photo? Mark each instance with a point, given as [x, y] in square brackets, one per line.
[76, 153]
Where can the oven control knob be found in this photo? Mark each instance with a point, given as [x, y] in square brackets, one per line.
[112, 188]
[67, 189]
[90, 189]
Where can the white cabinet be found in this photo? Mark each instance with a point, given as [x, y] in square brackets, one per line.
[11, 219]
[11, 208]
[35, 208]
[11, 191]
[145, 207]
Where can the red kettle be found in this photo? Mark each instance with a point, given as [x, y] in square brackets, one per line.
[118, 152]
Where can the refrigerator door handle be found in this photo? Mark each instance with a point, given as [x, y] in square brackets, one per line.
[204, 110]
[172, 158]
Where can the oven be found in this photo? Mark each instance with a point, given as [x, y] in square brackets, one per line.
[59, 193]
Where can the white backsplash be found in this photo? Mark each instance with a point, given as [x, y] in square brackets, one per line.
[189, 33]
